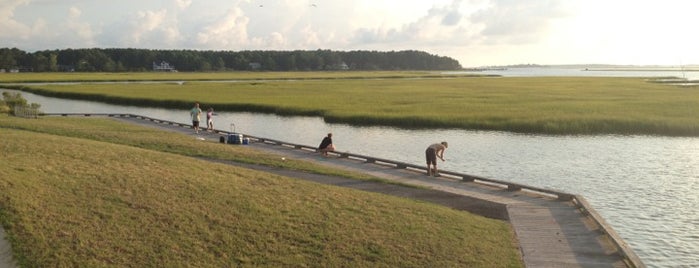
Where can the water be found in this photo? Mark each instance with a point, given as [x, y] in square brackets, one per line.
[554, 71]
[644, 186]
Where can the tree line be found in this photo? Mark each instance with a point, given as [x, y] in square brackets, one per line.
[140, 60]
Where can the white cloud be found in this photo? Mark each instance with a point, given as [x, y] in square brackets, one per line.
[475, 32]
[273, 41]
[149, 20]
[145, 28]
[9, 27]
[439, 26]
[310, 38]
[228, 32]
[183, 4]
[518, 21]
[82, 30]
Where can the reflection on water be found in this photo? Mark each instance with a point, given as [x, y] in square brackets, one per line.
[645, 187]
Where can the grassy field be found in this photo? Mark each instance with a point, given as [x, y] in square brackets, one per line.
[548, 105]
[89, 192]
[190, 76]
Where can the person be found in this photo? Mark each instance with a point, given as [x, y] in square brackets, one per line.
[326, 145]
[433, 152]
[210, 119]
[196, 115]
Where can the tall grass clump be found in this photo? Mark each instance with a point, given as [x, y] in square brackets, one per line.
[11, 103]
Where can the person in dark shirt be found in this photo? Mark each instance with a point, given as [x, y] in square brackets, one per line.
[326, 145]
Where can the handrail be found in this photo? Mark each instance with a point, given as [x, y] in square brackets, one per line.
[632, 260]
[463, 177]
[510, 186]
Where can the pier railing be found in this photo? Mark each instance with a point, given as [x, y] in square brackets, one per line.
[632, 260]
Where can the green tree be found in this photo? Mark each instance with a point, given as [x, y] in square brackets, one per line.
[7, 59]
[41, 63]
[53, 62]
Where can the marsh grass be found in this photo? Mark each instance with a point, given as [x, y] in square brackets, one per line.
[211, 76]
[548, 105]
[79, 197]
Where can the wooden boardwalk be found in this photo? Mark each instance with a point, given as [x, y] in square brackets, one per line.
[553, 230]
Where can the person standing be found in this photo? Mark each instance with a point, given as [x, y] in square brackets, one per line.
[433, 152]
[210, 119]
[196, 115]
[326, 145]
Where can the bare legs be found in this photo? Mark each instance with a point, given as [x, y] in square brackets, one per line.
[432, 170]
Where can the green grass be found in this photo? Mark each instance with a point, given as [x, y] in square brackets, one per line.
[549, 105]
[111, 131]
[82, 197]
[192, 76]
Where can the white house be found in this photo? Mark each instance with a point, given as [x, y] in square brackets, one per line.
[163, 66]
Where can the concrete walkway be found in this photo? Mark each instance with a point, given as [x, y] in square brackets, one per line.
[6, 260]
[551, 233]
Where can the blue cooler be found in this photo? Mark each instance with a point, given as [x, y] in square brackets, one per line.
[235, 138]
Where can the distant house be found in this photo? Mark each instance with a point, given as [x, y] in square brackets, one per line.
[163, 66]
[342, 66]
[255, 65]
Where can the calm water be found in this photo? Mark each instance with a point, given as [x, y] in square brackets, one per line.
[553, 71]
[644, 186]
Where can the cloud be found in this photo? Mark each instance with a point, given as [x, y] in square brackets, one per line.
[227, 32]
[183, 4]
[82, 30]
[451, 15]
[518, 21]
[44, 33]
[144, 28]
[440, 25]
[273, 41]
[9, 27]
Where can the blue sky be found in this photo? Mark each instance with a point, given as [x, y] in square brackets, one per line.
[475, 32]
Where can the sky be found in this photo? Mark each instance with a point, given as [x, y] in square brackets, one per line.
[474, 32]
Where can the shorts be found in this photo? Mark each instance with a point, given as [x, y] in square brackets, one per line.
[195, 123]
[431, 156]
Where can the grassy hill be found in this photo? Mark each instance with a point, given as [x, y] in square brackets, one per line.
[86, 192]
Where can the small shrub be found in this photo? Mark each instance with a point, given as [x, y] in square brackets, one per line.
[11, 101]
